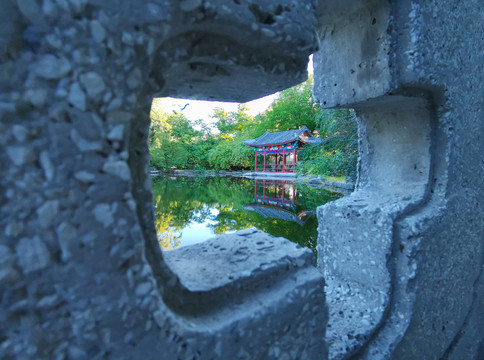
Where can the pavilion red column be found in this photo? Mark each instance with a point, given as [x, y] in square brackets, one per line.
[284, 160]
[265, 154]
[256, 154]
[276, 161]
[295, 160]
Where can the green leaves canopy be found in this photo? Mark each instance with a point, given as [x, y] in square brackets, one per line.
[176, 142]
[293, 108]
[338, 154]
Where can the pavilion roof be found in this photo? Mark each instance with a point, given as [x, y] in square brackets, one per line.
[283, 137]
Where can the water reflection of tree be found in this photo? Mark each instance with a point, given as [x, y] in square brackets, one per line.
[184, 200]
[165, 233]
[305, 235]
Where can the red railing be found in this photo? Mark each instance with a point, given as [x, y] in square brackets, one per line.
[276, 168]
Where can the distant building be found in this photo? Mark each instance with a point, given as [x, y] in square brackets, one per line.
[279, 149]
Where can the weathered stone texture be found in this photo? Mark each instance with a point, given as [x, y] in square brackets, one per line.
[409, 70]
[81, 272]
[252, 286]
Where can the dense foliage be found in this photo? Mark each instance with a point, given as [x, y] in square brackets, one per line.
[338, 153]
[175, 142]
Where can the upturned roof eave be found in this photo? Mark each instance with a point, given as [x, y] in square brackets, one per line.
[287, 142]
[281, 143]
[311, 142]
[296, 133]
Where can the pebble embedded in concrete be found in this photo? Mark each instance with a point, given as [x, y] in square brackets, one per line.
[51, 67]
[77, 97]
[118, 168]
[93, 83]
[32, 254]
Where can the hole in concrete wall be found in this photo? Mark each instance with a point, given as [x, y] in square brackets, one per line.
[283, 194]
[181, 236]
[206, 250]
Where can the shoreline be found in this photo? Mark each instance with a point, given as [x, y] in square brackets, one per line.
[315, 181]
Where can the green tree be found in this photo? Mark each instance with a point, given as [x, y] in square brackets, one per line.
[228, 151]
[174, 142]
[159, 121]
[228, 124]
[231, 154]
[338, 154]
[292, 109]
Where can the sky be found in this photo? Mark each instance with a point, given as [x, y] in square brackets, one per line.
[200, 109]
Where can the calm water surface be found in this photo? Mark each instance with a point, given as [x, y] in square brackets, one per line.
[192, 210]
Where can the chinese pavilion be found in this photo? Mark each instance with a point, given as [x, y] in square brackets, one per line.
[280, 149]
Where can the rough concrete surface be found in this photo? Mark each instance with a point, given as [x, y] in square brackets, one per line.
[81, 273]
[404, 276]
[252, 276]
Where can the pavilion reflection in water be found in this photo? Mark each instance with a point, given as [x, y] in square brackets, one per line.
[278, 199]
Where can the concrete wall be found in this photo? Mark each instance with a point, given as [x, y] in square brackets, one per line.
[81, 273]
[403, 255]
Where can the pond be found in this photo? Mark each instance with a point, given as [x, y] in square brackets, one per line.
[192, 210]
